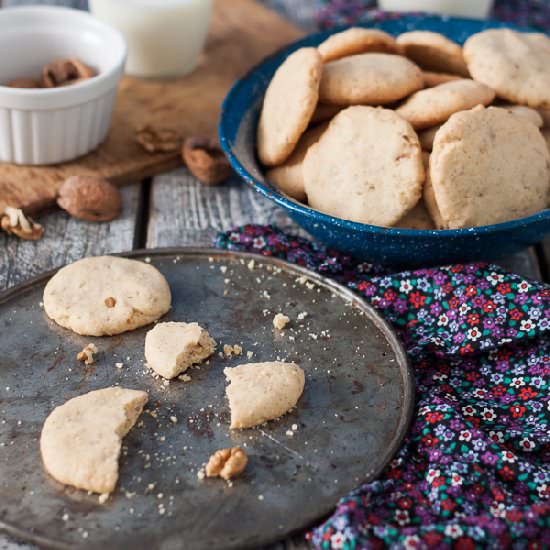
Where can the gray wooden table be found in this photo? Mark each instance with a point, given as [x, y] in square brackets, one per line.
[174, 209]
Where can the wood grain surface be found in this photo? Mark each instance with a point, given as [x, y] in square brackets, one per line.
[242, 32]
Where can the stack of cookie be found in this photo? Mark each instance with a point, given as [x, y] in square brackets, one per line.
[415, 132]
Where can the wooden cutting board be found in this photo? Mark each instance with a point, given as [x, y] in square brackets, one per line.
[242, 32]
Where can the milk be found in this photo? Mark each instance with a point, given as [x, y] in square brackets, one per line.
[165, 37]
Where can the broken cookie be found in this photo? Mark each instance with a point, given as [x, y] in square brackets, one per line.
[172, 347]
[81, 439]
[258, 392]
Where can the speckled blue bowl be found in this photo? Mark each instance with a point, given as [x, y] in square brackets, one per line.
[396, 247]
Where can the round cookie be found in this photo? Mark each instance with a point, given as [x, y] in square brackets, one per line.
[367, 167]
[369, 79]
[521, 110]
[355, 41]
[487, 166]
[106, 295]
[289, 102]
[516, 65]
[434, 79]
[433, 52]
[432, 106]
[289, 176]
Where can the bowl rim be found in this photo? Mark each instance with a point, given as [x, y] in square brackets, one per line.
[271, 192]
[79, 16]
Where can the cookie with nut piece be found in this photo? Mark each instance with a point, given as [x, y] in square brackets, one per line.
[289, 102]
[366, 167]
[369, 79]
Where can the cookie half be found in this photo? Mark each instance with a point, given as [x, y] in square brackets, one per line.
[514, 64]
[433, 52]
[366, 167]
[355, 41]
[289, 102]
[106, 295]
[81, 439]
[432, 106]
[369, 79]
[487, 166]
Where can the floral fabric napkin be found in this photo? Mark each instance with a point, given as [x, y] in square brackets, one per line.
[532, 13]
[474, 470]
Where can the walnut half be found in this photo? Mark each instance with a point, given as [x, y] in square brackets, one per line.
[87, 354]
[14, 221]
[206, 160]
[226, 463]
[158, 140]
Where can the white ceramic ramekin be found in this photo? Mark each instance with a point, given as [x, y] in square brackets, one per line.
[52, 125]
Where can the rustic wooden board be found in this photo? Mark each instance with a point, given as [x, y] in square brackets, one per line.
[242, 32]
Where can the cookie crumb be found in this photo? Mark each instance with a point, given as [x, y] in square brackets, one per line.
[184, 378]
[103, 498]
[174, 419]
[303, 315]
[119, 365]
[249, 354]
[87, 354]
[280, 321]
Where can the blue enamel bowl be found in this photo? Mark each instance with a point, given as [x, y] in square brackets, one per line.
[389, 246]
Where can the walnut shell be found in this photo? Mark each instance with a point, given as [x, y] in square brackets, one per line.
[90, 198]
[206, 160]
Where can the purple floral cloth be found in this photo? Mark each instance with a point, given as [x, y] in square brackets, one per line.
[474, 470]
[532, 13]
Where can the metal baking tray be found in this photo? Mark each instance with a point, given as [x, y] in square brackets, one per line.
[351, 419]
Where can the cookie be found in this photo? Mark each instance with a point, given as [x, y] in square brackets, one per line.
[521, 110]
[426, 137]
[289, 102]
[432, 106]
[417, 218]
[366, 167]
[81, 439]
[434, 79]
[289, 177]
[433, 52]
[369, 79]
[106, 295]
[355, 41]
[324, 112]
[488, 166]
[516, 65]
[171, 348]
[259, 392]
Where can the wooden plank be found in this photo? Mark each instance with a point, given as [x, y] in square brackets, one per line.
[65, 240]
[242, 32]
[186, 213]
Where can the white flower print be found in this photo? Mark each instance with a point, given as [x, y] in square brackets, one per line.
[405, 286]
[488, 414]
[474, 334]
[337, 540]
[495, 278]
[524, 286]
[526, 325]
[527, 444]
[498, 509]
[517, 381]
[453, 531]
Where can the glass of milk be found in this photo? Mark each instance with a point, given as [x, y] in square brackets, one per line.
[165, 37]
[478, 9]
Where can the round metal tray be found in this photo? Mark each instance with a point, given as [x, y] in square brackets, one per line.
[351, 419]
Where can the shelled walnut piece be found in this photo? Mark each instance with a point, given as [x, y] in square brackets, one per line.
[226, 463]
[158, 140]
[14, 221]
[90, 198]
[206, 160]
[87, 354]
[57, 73]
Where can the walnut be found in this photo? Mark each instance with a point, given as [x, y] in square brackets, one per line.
[24, 82]
[64, 72]
[87, 354]
[206, 160]
[226, 463]
[110, 302]
[90, 198]
[158, 140]
[14, 221]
